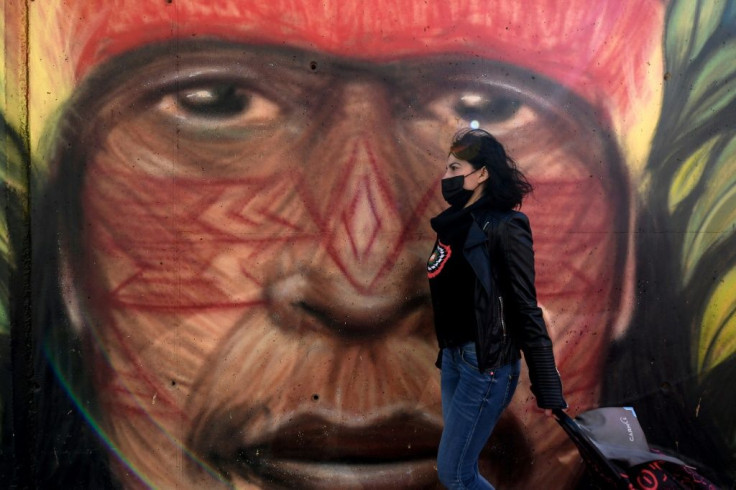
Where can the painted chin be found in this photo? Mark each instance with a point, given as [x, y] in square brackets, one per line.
[298, 409]
[276, 410]
[343, 476]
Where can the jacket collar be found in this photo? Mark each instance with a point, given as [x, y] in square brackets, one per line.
[476, 235]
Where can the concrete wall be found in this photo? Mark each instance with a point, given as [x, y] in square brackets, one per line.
[219, 275]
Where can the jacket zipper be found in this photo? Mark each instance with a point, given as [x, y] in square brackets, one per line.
[503, 323]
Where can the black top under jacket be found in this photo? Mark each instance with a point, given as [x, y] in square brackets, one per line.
[452, 280]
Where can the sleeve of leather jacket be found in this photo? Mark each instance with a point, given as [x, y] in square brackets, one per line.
[530, 328]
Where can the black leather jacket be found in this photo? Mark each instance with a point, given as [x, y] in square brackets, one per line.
[499, 250]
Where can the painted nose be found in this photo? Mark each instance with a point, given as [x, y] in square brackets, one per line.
[328, 305]
[364, 276]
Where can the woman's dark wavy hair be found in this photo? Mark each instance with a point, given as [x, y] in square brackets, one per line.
[506, 186]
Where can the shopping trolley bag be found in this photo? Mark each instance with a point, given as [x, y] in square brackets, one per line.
[617, 455]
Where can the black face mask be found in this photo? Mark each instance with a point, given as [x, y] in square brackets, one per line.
[453, 192]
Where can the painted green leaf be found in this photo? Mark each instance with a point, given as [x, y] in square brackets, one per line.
[710, 13]
[714, 216]
[713, 88]
[689, 174]
[689, 26]
[718, 329]
[679, 33]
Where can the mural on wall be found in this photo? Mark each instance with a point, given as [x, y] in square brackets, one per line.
[217, 221]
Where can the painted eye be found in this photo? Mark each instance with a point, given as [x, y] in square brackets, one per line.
[498, 112]
[219, 101]
[218, 105]
[496, 109]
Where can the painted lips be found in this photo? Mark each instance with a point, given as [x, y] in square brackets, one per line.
[314, 451]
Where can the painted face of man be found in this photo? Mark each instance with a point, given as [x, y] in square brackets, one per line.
[256, 222]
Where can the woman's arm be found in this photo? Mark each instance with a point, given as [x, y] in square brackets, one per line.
[529, 327]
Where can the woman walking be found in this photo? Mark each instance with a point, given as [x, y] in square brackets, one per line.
[481, 276]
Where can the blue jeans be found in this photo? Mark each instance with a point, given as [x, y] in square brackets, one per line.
[472, 403]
